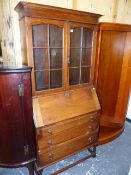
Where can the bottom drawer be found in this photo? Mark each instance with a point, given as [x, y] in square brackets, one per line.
[65, 149]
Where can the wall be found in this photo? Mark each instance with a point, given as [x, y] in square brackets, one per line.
[6, 31]
[106, 8]
[124, 11]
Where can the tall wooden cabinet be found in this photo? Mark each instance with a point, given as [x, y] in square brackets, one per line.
[113, 77]
[59, 44]
[17, 141]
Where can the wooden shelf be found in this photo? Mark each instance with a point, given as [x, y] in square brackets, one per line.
[108, 134]
[110, 121]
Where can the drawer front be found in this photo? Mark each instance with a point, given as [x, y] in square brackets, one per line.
[67, 148]
[59, 133]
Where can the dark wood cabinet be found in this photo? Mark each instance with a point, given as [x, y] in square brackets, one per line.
[17, 146]
[112, 78]
[59, 44]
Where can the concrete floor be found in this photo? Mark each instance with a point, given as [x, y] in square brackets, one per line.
[112, 159]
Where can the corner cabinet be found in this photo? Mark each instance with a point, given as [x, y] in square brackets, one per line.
[59, 44]
[113, 78]
[17, 140]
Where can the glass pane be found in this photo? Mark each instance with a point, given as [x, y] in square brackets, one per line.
[86, 57]
[85, 74]
[74, 74]
[75, 37]
[87, 38]
[56, 36]
[56, 58]
[41, 59]
[56, 78]
[75, 57]
[42, 80]
[40, 35]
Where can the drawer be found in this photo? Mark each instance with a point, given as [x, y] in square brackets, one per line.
[67, 130]
[65, 149]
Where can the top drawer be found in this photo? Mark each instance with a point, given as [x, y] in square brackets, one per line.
[66, 130]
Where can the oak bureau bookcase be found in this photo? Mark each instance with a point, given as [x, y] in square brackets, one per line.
[59, 44]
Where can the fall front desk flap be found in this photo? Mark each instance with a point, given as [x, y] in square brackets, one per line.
[63, 106]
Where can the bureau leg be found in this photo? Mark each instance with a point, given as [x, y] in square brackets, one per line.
[31, 168]
[92, 151]
[37, 172]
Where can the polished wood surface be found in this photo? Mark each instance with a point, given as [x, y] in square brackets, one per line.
[108, 134]
[50, 12]
[17, 146]
[66, 148]
[112, 77]
[63, 106]
[63, 131]
[110, 64]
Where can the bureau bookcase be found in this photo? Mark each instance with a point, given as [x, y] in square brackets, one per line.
[59, 44]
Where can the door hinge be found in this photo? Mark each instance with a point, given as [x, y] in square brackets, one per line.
[21, 89]
[26, 150]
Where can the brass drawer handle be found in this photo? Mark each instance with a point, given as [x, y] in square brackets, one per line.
[90, 128]
[50, 132]
[91, 118]
[50, 156]
[90, 139]
[49, 142]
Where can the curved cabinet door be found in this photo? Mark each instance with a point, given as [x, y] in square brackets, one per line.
[16, 119]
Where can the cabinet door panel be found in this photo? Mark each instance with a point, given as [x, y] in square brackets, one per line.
[42, 80]
[85, 75]
[40, 35]
[86, 57]
[56, 78]
[74, 76]
[55, 36]
[16, 122]
[81, 44]
[75, 57]
[41, 60]
[48, 54]
[87, 38]
[75, 37]
[56, 58]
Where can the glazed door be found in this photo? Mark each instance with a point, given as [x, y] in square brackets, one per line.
[61, 55]
[80, 53]
[48, 54]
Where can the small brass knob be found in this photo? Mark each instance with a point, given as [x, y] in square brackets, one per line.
[49, 132]
[90, 139]
[49, 142]
[92, 118]
[90, 128]
[50, 156]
